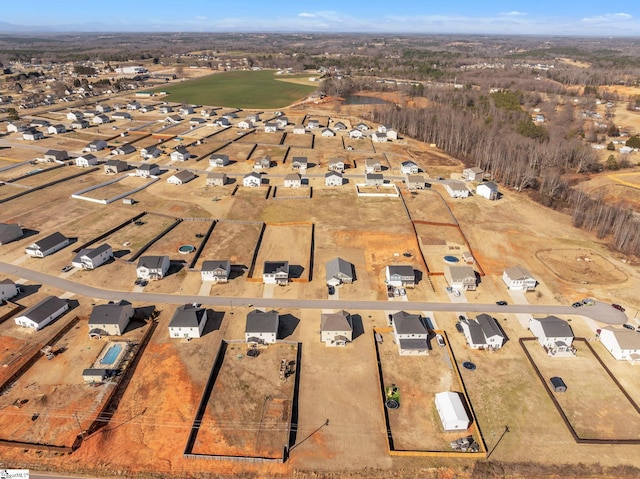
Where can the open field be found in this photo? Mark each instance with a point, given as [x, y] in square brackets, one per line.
[437, 241]
[277, 153]
[581, 265]
[301, 141]
[276, 246]
[183, 234]
[118, 188]
[233, 241]
[236, 151]
[25, 169]
[261, 89]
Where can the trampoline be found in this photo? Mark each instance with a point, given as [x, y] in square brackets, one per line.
[469, 365]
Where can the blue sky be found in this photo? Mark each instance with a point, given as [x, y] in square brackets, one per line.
[569, 17]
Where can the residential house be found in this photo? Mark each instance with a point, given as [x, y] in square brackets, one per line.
[147, 170]
[384, 128]
[374, 179]
[270, 127]
[378, 137]
[150, 152]
[392, 134]
[355, 134]
[188, 321]
[333, 178]
[461, 277]
[362, 126]
[623, 344]
[554, 334]
[196, 120]
[455, 188]
[519, 278]
[91, 258]
[216, 179]
[488, 190]
[328, 133]
[110, 319]
[282, 122]
[336, 164]
[103, 108]
[15, 127]
[165, 109]
[340, 126]
[39, 123]
[473, 174]
[121, 115]
[56, 129]
[222, 121]
[217, 271]
[32, 134]
[147, 109]
[47, 245]
[42, 313]
[115, 166]
[292, 180]
[75, 115]
[336, 329]
[313, 124]
[230, 116]
[100, 119]
[410, 334]
[10, 232]
[180, 154]
[416, 182]
[186, 110]
[409, 168]
[174, 119]
[275, 272]
[371, 165]
[96, 145]
[86, 160]
[299, 130]
[207, 113]
[483, 332]
[133, 105]
[152, 267]
[56, 155]
[261, 327]
[8, 289]
[80, 124]
[400, 276]
[252, 180]
[181, 177]
[217, 160]
[125, 149]
[299, 163]
[245, 124]
[254, 118]
[263, 163]
[339, 271]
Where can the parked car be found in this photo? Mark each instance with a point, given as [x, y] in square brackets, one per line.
[618, 307]
[501, 303]
[461, 318]
[67, 268]
[588, 301]
[456, 292]
[577, 304]
[331, 289]
[459, 328]
[628, 326]
[440, 339]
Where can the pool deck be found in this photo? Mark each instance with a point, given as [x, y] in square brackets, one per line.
[97, 364]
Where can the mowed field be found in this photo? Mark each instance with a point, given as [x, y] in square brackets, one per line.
[259, 89]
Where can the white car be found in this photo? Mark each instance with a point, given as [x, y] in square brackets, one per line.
[440, 339]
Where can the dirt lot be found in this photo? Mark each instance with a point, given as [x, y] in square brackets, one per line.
[183, 234]
[237, 151]
[277, 244]
[299, 141]
[233, 241]
[21, 170]
[581, 266]
[114, 189]
[248, 413]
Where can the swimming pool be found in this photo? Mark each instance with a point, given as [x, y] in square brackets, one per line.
[111, 355]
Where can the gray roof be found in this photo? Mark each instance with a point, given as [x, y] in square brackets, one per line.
[187, 316]
[127, 148]
[518, 273]
[152, 149]
[626, 339]
[554, 327]
[262, 322]
[99, 250]
[147, 167]
[184, 175]
[57, 154]
[455, 185]
[182, 150]
[9, 232]
[271, 267]
[414, 344]
[50, 241]
[374, 176]
[292, 177]
[403, 270]
[406, 323]
[211, 265]
[339, 268]
[109, 313]
[460, 273]
[44, 309]
[333, 173]
[339, 321]
[415, 179]
[219, 156]
[489, 326]
[299, 159]
[95, 372]
[117, 163]
[475, 333]
[151, 262]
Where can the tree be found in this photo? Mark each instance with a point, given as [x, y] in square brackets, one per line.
[633, 142]
[611, 146]
[613, 130]
[12, 113]
[612, 163]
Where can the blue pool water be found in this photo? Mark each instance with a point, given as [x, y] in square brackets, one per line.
[111, 355]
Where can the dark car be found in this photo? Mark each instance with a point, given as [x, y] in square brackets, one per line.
[67, 268]
[577, 304]
[459, 328]
[331, 289]
[628, 326]
[462, 318]
[618, 307]
[501, 303]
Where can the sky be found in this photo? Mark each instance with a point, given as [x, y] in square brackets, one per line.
[543, 17]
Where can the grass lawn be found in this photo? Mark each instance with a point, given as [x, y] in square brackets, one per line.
[239, 89]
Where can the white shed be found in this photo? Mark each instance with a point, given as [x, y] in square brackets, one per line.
[451, 411]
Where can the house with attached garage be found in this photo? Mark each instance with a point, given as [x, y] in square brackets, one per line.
[336, 164]
[378, 137]
[333, 178]
[519, 278]
[43, 313]
[282, 122]
[299, 163]
[96, 145]
[147, 109]
[371, 165]
[339, 271]
[217, 271]
[15, 127]
[488, 190]
[623, 344]
[91, 258]
[188, 321]
[292, 180]
[180, 154]
[336, 329]
[32, 134]
[409, 167]
[207, 113]
[410, 334]
[86, 160]
[56, 155]
[222, 121]
[261, 327]
[110, 319]
[270, 127]
[150, 152]
[10, 232]
[125, 149]
[115, 166]
[328, 132]
[100, 119]
[218, 161]
[483, 332]
[400, 276]
[263, 163]
[103, 108]
[216, 179]
[362, 126]
[57, 129]
[461, 277]
[39, 123]
[174, 119]
[8, 289]
[165, 109]
[472, 174]
[245, 124]
[275, 272]
[299, 130]
[392, 134]
[196, 120]
[340, 126]
[186, 110]
[147, 170]
[355, 134]
[80, 124]
[252, 180]
[75, 115]
[121, 115]
[554, 335]
[455, 188]
[47, 245]
[134, 105]
[373, 179]
[416, 182]
[254, 118]
[313, 124]
[181, 177]
[153, 267]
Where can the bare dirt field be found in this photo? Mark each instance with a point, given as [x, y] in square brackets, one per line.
[284, 193]
[428, 205]
[362, 145]
[233, 241]
[581, 266]
[21, 170]
[299, 141]
[278, 245]
[114, 189]
[47, 176]
[438, 241]
[183, 234]
[277, 153]
[237, 151]
[7, 190]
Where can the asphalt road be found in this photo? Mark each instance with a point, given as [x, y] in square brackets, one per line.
[601, 312]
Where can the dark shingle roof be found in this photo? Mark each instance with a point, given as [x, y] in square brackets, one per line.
[262, 322]
[187, 316]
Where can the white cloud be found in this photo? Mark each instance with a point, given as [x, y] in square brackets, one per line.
[608, 18]
[201, 17]
[307, 15]
[513, 13]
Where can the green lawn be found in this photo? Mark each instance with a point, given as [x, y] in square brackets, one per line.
[241, 89]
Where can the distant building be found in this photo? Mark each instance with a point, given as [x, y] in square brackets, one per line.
[472, 174]
[91, 258]
[10, 232]
[47, 245]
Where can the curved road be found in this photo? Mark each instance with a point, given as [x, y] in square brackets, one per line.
[601, 312]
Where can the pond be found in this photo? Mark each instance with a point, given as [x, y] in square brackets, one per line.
[364, 100]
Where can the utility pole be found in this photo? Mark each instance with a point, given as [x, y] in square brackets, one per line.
[75, 415]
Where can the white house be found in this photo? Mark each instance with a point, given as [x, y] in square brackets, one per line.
[47, 245]
[483, 332]
[56, 129]
[217, 271]
[252, 180]
[147, 170]
[96, 145]
[270, 127]
[86, 160]
[452, 412]
[43, 313]
[186, 110]
[337, 165]
[292, 180]
[299, 163]
[125, 149]
[339, 271]
[472, 174]
[263, 163]
[378, 137]
[416, 182]
[362, 126]
[150, 152]
[8, 289]
[488, 190]
[80, 124]
[75, 116]
[461, 277]
[188, 322]
[455, 188]
[554, 334]
[409, 167]
[410, 334]
[336, 329]
[217, 160]
[14, 127]
[245, 124]
[519, 278]
[355, 134]
[181, 177]
[153, 267]
[56, 155]
[275, 272]
[100, 119]
[299, 130]
[110, 319]
[333, 178]
[31, 134]
[371, 165]
[623, 344]
[328, 133]
[115, 166]
[216, 179]
[92, 258]
[373, 179]
[400, 276]
[180, 154]
[121, 115]
[261, 327]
